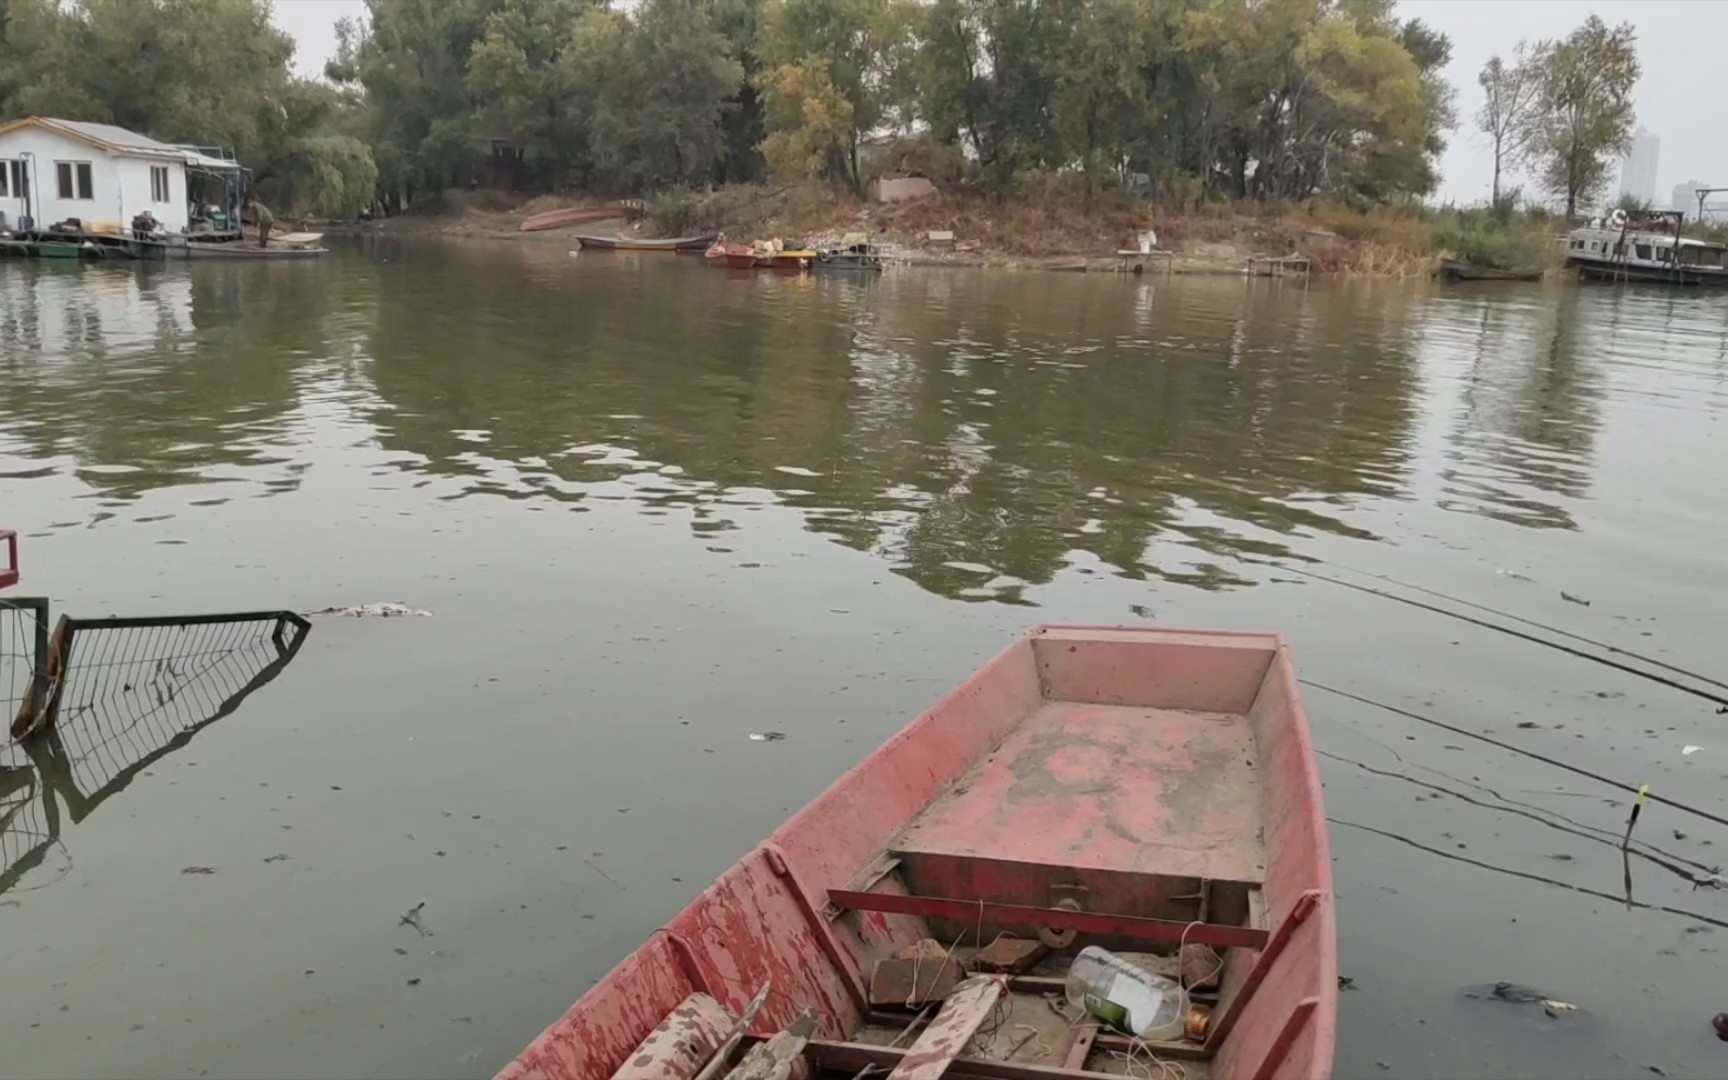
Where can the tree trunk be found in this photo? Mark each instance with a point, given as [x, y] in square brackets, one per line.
[1494, 199]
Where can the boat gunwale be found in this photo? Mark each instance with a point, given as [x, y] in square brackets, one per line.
[1317, 1007]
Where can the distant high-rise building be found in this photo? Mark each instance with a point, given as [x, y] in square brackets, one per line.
[1686, 200]
[1638, 170]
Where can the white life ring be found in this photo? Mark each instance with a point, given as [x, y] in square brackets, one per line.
[1617, 220]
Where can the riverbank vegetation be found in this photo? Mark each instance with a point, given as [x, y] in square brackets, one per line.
[1045, 126]
[208, 72]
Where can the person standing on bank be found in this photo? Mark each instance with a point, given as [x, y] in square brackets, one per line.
[265, 219]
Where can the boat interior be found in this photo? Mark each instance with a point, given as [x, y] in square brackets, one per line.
[1151, 792]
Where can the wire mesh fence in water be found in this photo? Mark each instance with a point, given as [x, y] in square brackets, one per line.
[116, 695]
[23, 639]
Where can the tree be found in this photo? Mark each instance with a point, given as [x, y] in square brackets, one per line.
[662, 95]
[411, 61]
[1584, 112]
[1105, 109]
[1510, 96]
[209, 72]
[831, 75]
[519, 87]
[987, 70]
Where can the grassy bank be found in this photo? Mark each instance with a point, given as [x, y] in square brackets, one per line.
[1052, 225]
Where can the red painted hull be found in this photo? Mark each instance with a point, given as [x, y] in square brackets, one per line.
[1126, 769]
[734, 256]
[578, 215]
[730, 256]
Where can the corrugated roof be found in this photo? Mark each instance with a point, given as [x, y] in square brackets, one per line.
[123, 140]
[114, 136]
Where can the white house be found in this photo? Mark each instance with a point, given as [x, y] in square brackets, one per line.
[98, 173]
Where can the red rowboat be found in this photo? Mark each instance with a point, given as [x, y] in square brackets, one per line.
[577, 215]
[731, 255]
[1129, 788]
[683, 245]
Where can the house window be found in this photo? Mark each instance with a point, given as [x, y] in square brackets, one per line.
[14, 181]
[159, 183]
[1642, 250]
[1577, 244]
[74, 179]
[5, 178]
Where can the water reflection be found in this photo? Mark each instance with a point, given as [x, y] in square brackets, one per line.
[149, 376]
[1527, 423]
[979, 433]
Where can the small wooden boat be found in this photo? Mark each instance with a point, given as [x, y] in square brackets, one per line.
[730, 255]
[1454, 270]
[683, 245]
[580, 215]
[847, 259]
[239, 250]
[1137, 789]
[855, 252]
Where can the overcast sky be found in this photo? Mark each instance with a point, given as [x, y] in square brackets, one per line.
[1679, 44]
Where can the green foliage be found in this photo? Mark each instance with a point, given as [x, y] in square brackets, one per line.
[1258, 99]
[835, 71]
[212, 72]
[1497, 237]
[1585, 113]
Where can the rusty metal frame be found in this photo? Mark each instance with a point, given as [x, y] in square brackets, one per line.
[1021, 915]
[9, 572]
[1305, 906]
[821, 928]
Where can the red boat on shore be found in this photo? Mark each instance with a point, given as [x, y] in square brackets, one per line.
[581, 215]
[1146, 791]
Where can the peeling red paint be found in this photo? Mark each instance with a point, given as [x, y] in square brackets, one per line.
[1056, 766]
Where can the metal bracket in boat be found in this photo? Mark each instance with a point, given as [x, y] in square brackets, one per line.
[1062, 938]
[820, 926]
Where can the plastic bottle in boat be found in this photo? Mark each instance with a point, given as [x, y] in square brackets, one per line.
[1126, 996]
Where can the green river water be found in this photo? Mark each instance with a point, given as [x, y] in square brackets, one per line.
[654, 507]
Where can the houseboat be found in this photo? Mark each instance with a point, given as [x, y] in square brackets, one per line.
[1645, 247]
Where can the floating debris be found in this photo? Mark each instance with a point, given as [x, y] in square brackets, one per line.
[767, 736]
[199, 870]
[1570, 599]
[411, 917]
[1688, 751]
[383, 609]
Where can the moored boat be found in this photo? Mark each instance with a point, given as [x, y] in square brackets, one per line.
[1645, 247]
[1455, 270]
[1136, 789]
[683, 245]
[730, 255]
[854, 253]
[762, 255]
[580, 215]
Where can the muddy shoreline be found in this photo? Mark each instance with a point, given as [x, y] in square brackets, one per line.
[1217, 260]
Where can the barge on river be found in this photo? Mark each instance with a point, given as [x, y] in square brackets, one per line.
[1146, 791]
[1645, 247]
